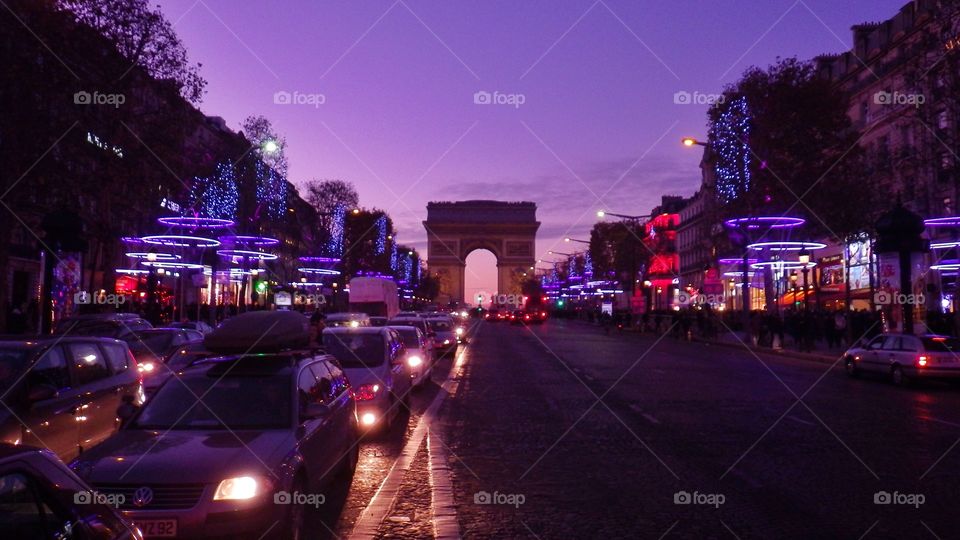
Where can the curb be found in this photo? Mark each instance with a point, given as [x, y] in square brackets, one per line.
[785, 353]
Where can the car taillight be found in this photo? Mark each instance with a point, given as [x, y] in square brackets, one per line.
[922, 361]
[366, 392]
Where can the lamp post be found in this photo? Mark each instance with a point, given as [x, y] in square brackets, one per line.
[568, 239]
[793, 285]
[603, 213]
[804, 259]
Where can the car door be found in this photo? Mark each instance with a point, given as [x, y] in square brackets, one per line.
[315, 444]
[99, 399]
[870, 359]
[52, 422]
[335, 394]
[889, 353]
[399, 371]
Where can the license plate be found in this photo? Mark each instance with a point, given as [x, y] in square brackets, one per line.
[158, 528]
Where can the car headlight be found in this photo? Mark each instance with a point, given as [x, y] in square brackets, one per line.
[146, 367]
[241, 488]
[459, 331]
[414, 361]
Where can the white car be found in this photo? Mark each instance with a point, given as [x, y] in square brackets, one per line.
[902, 357]
[419, 353]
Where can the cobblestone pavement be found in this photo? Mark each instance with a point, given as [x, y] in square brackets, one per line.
[561, 431]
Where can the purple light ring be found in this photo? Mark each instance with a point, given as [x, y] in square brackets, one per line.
[786, 246]
[952, 221]
[320, 271]
[245, 254]
[320, 259]
[253, 241]
[736, 261]
[783, 265]
[173, 265]
[159, 256]
[180, 240]
[190, 222]
[771, 222]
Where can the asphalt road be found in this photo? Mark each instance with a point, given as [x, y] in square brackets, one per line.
[561, 431]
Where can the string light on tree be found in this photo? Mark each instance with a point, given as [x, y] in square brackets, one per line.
[216, 196]
[730, 139]
[335, 244]
[381, 234]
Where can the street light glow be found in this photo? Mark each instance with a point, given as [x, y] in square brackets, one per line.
[601, 214]
[270, 146]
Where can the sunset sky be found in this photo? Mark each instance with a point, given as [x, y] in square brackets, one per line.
[598, 126]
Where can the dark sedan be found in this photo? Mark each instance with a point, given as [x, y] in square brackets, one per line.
[224, 449]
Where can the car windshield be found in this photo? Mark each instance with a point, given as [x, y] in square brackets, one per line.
[12, 362]
[440, 326]
[152, 342]
[354, 349]
[230, 400]
[942, 344]
[410, 338]
[405, 322]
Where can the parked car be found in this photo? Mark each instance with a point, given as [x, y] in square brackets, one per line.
[277, 419]
[63, 393]
[492, 315]
[419, 355]
[347, 319]
[374, 361]
[40, 498]
[407, 315]
[378, 321]
[199, 326]
[446, 333]
[153, 347]
[112, 325]
[903, 357]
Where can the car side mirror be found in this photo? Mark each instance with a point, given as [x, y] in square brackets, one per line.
[315, 410]
[42, 392]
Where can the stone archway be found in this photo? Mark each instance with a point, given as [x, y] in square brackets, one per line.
[455, 229]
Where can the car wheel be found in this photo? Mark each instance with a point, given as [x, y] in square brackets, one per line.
[851, 368]
[349, 462]
[897, 377]
[296, 514]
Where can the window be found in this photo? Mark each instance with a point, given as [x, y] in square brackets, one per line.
[50, 369]
[308, 389]
[117, 357]
[23, 511]
[892, 343]
[876, 343]
[88, 362]
[338, 379]
[327, 393]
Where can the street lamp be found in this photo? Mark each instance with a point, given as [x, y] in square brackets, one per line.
[793, 285]
[270, 146]
[804, 259]
[561, 253]
[603, 213]
[568, 239]
[690, 141]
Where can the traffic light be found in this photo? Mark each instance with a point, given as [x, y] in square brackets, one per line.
[559, 303]
[261, 287]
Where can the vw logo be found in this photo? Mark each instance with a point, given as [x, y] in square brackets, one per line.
[142, 496]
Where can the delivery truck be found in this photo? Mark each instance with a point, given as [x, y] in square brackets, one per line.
[375, 296]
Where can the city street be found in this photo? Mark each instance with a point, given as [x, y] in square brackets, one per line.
[581, 434]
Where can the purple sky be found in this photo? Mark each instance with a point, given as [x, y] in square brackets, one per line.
[598, 127]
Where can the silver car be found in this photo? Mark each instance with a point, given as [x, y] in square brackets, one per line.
[374, 360]
[902, 357]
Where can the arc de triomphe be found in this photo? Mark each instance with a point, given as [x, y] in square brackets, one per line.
[455, 229]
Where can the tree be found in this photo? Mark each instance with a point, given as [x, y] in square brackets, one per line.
[617, 250]
[144, 37]
[325, 195]
[784, 144]
[271, 147]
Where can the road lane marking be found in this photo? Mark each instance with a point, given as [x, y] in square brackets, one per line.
[386, 496]
[443, 509]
